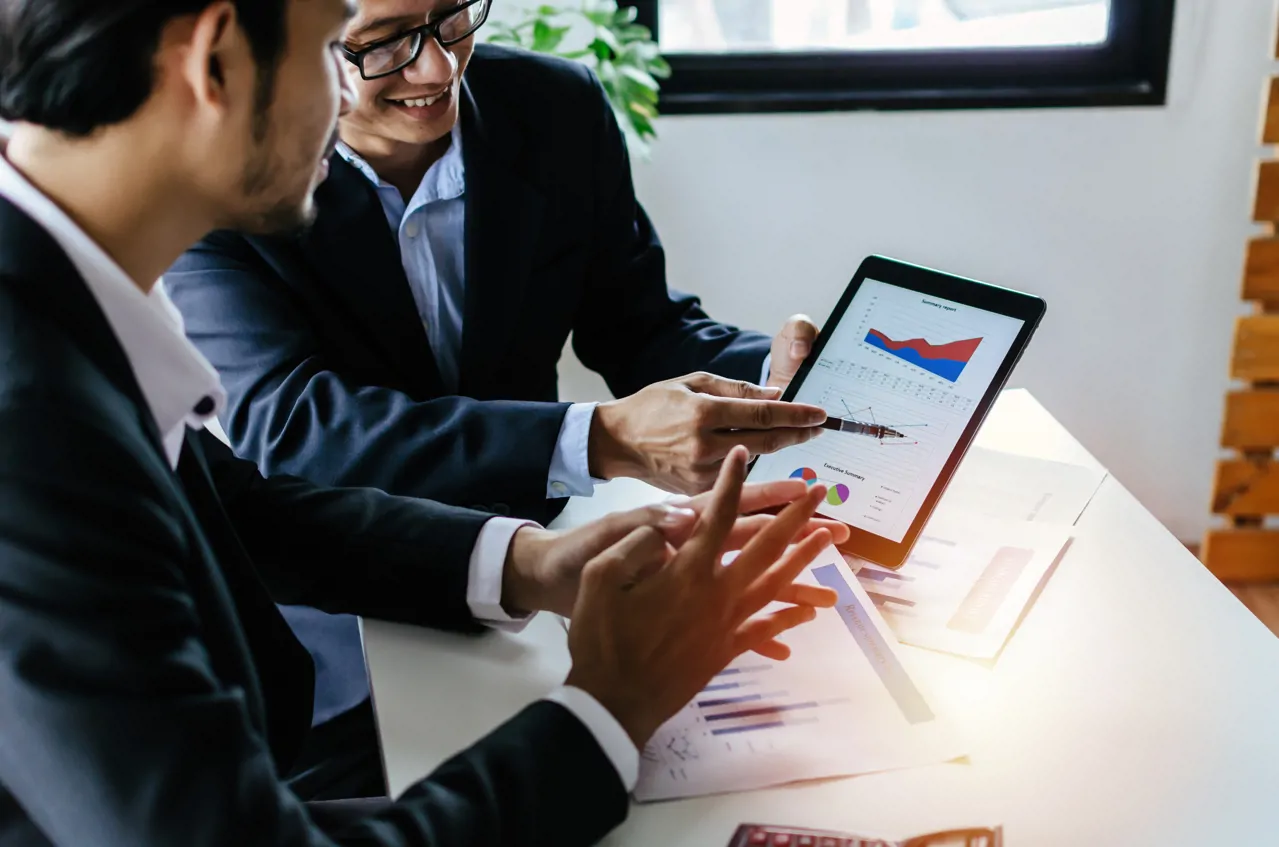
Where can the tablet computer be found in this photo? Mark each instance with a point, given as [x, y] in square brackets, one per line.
[907, 367]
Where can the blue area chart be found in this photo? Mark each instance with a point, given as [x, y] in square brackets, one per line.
[944, 360]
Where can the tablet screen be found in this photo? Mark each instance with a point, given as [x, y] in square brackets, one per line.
[915, 365]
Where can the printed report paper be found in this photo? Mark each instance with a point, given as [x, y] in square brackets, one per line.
[843, 704]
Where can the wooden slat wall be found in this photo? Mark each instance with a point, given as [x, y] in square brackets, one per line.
[1256, 355]
[1266, 207]
[1246, 487]
[1243, 555]
[1270, 132]
[1252, 420]
[1261, 271]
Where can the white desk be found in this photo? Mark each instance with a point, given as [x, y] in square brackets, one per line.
[1138, 703]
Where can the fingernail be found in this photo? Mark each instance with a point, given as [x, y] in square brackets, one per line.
[678, 517]
[679, 500]
[817, 416]
[799, 349]
[773, 391]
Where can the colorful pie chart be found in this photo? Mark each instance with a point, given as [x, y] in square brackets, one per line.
[837, 495]
[807, 474]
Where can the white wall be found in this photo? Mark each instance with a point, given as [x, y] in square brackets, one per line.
[1130, 222]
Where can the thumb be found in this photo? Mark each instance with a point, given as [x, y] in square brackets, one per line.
[795, 340]
[630, 561]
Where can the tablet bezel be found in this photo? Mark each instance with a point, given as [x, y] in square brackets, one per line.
[1027, 308]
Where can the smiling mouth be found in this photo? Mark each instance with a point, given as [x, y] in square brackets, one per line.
[422, 102]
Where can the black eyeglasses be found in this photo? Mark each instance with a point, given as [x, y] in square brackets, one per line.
[396, 53]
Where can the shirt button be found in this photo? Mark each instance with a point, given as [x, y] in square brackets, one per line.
[559, 489]
[205, 407]
[410, 229]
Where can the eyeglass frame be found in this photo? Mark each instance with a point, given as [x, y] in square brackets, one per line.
[431, 28]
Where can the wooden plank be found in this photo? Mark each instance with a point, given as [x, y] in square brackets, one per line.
[1262, 600]
[1270, 133]
[1242, 555]
[1256, 353]
[1245, 488]
[1266, 208]
[1251, 420]
[1261, 270]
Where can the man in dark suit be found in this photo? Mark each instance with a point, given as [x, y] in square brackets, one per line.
[479, 210]
[150, 693]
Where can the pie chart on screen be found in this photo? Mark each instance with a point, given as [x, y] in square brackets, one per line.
[836, 495]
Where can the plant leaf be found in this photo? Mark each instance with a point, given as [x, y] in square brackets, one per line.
[640, 77]
[601, 50]
[546, 37]
[606, 35]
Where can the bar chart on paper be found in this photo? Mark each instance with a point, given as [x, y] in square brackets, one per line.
[842, 704]
[966, 583]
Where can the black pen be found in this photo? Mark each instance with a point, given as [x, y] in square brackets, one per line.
[860, 428]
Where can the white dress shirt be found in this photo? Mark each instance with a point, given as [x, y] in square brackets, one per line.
[183, 390]
[431, 233]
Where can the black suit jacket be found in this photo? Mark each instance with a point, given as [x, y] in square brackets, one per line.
[150, 693]
[326, 361]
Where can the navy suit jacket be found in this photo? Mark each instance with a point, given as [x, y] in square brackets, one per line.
[150, 693]
[326, 361]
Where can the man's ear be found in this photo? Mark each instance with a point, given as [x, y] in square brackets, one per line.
[215, 52]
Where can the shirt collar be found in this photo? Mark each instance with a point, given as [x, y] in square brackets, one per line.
[174, 377]
[444, 180]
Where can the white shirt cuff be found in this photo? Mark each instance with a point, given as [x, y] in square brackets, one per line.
[570, 463]
[484, 577]
[768, 367]
[613, 740]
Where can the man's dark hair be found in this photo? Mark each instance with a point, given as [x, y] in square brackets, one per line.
[77, 65]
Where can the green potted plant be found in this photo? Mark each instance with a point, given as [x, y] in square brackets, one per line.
[622, 53]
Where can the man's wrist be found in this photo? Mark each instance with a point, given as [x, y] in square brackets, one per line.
[607, 454]
[632, 714]
[521, 576]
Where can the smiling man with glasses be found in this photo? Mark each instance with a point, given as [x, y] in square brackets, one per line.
[479, 211]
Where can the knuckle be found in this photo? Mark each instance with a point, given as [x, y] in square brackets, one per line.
[594, 571]
[703, 413]
[763, 415]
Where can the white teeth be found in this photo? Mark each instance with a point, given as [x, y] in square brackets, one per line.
[422, 101]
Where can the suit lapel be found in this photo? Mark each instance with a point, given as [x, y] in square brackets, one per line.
[352, 249]
[285, 668]
[28, 252]
[503, 217]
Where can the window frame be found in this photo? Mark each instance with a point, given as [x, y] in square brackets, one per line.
[1130, 69]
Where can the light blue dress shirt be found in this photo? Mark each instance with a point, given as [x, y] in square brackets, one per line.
[430, 230]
